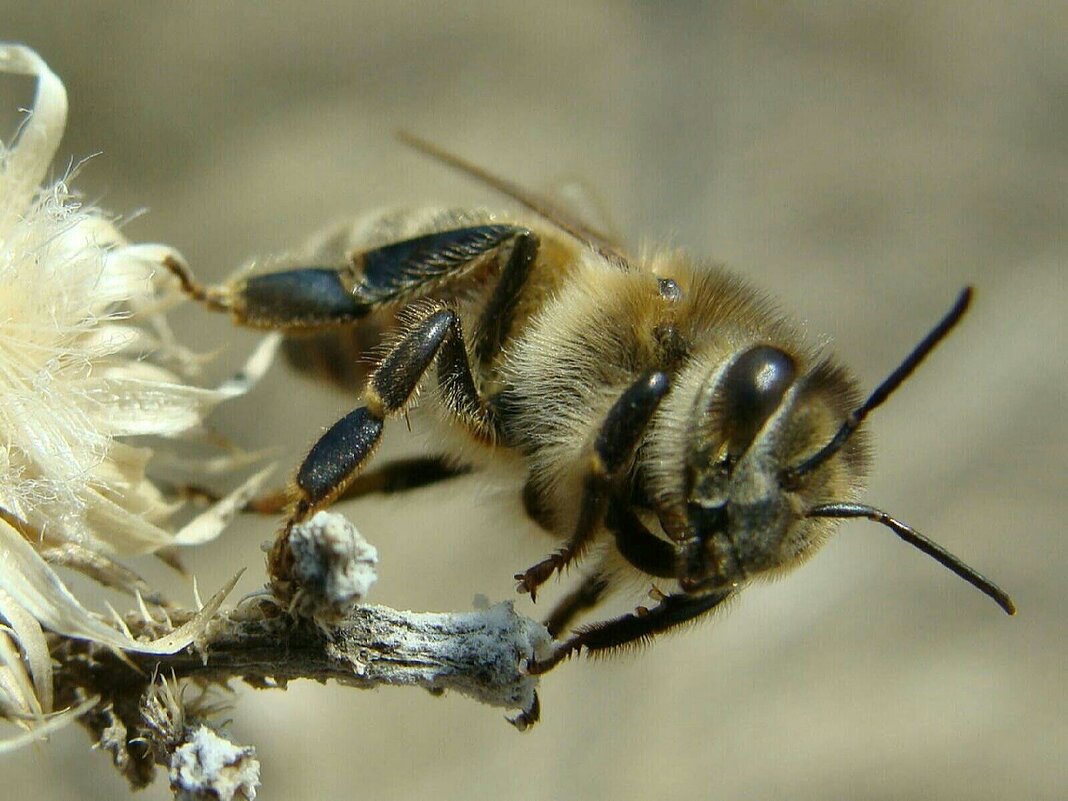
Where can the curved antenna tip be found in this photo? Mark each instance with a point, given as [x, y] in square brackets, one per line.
[844, 511]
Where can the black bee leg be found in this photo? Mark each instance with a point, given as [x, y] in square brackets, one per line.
[613, 450]
[637, 544]
[340, 355]
[586, 596]
[311, 298]
[403, 475]
[335, 460]
[634, 628]
[329, 353]
[496, 321]
[289, 300]
[398, 476]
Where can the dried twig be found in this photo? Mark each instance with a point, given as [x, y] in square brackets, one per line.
[144, 723]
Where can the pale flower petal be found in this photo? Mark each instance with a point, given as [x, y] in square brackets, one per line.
[36, 587]
[86, 359]
[52, 723]
[25, 167]
[18, 699]
[208, 525]
[31, 638]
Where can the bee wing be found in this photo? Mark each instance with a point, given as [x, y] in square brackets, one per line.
[544, 208]
[575, 198]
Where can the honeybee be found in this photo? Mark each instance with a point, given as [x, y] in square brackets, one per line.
[660, 406]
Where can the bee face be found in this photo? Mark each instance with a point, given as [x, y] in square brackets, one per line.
[757, 416]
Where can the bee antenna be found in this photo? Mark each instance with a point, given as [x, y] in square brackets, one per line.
[918, 540]
[883, 391]
[540, 206]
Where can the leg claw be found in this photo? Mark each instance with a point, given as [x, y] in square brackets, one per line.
[528, 717]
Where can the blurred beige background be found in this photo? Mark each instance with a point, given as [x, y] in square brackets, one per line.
[861, 160]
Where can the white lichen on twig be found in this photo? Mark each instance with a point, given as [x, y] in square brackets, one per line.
[332, 565]
[208, 767]
[480, 654]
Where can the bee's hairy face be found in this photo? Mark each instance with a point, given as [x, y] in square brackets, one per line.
[757, 417]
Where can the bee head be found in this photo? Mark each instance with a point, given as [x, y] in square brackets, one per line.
[755, 417]
[774, 460]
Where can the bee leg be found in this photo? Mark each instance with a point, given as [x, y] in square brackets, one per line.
[586, 596]
[639, 546]
[397, 476]
[400, 476]
[300, 299]
[340, 355]
[633, 628]
[310, 298]
[495, 322]
[335, 460]
[529, 716]
[403, 475]
[339, 455]
[613, 449]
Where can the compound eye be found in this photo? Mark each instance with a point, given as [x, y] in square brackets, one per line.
[752, 390]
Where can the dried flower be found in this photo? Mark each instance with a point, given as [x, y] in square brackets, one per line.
[86, 362]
